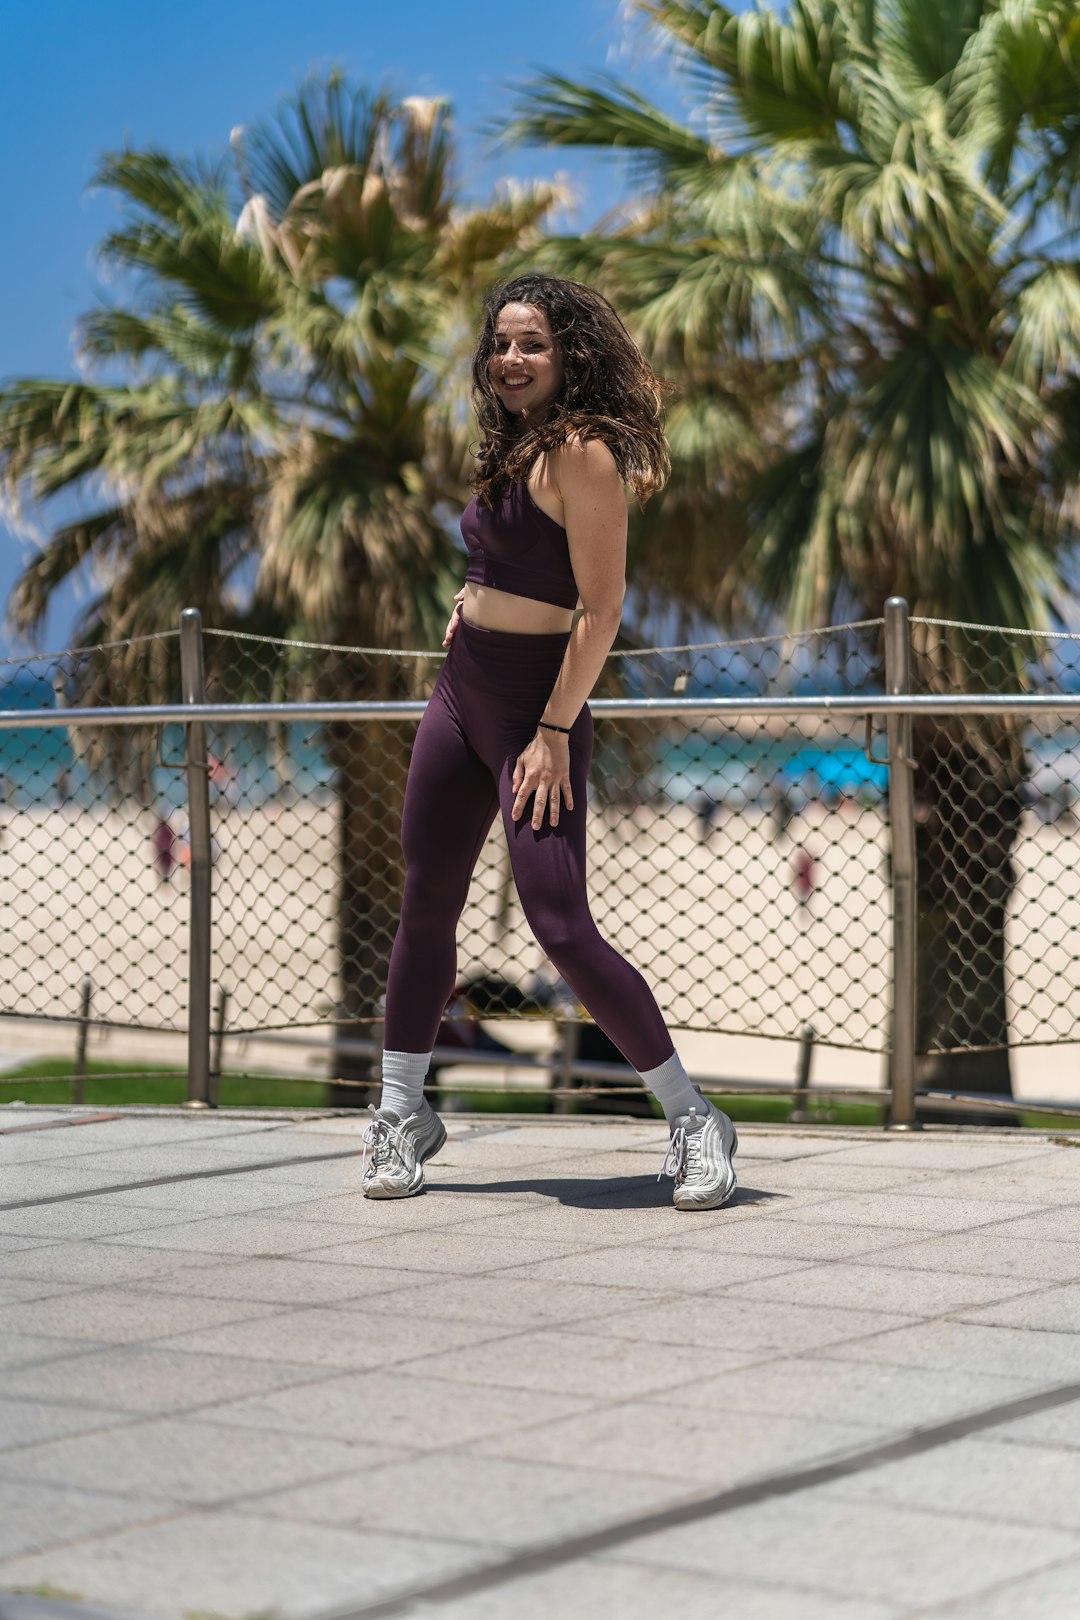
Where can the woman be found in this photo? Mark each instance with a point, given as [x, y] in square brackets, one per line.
[568, 410]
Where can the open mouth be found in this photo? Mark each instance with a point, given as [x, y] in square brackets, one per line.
[513, 383]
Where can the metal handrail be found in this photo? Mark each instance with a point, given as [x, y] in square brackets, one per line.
[153, 714]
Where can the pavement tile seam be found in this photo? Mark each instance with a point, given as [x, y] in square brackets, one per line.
[250, 1502]
[740, 1289]
[1046, 1289]
[833, 1350]
[762, 1583]
[325, 1375]
[66, 1543]
[967, 1605]
[117, 1421]
[848, 1491]
[908, 1242]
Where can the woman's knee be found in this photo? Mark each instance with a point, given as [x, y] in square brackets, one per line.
[432, 899]
[565, 938]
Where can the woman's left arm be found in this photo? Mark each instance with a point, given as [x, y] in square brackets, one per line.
[594, 509]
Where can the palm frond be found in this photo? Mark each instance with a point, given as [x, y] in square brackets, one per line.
[768, 80]
[554, 111]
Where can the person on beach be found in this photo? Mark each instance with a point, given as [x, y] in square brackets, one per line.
[568, 411]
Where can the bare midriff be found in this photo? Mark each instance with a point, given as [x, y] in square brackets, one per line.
[501, 610]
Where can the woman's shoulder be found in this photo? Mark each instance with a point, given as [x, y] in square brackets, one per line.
[581, 457]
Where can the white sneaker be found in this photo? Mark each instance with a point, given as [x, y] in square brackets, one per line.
[699, 1157]
[398, 1148]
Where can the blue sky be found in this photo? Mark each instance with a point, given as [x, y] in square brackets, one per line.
[77, 79]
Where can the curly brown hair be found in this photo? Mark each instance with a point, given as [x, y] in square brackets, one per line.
[609, 391]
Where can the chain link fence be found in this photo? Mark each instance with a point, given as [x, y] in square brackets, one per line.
[742, 863]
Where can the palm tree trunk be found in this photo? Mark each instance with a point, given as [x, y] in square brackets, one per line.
[968, 812]
[370, 762]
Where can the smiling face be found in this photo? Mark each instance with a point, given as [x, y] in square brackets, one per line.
[526, 368]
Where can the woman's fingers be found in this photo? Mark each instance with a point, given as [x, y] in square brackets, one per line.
[537, 777]
[453, 620]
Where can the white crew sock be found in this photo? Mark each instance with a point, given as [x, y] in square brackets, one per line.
[673, 1089]
[403, 1075]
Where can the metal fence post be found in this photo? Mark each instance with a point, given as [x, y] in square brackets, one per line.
[193, 682]
[902, 835]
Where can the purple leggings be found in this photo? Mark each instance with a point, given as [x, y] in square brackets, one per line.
[490, 693]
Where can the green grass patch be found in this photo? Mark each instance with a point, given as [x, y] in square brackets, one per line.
[111, 1085]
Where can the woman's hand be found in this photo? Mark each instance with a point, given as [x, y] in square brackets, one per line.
[542, 773]
[454, 617]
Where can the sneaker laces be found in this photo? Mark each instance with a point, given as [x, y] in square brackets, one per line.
[683, 1156]
[386, 1146]
[676, 1154]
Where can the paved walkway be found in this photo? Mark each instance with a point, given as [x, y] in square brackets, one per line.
[233, 1389]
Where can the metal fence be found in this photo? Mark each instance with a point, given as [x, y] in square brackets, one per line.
[199, 821]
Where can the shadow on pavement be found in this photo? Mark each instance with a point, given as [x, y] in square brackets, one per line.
[622, 1192]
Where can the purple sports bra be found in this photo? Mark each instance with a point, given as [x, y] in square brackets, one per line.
[515, 547]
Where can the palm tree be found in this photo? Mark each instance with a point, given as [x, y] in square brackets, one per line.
[276, 394]
[869, 222]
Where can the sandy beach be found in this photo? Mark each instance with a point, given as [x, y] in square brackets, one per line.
[738, 962]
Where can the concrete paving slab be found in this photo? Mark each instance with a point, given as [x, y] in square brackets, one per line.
[141, 1378]
[123, 1316]
[36, 1517]
[891, 1553]
[459, 1495]
[860, 1285]
[792, 1240]
[871, 1397]
[956, 1150]
[194, 1200]
[908, 1211]
[822, 1171]
[434, 1411]
[628, 1591]
[1055, 1310]
[980, 1479]
[15, 1290]
[651, 1266]
[338, 1339]
[750, 1326]
[32, 1349]
[97, 1262]
[445, 1250]
[1057, 1225]
[690, 1445]
[80, 1219]
[222, 1564]
[996, 1254]
[553, 1349]
[283, 1280]
[580, 1363]
[1049, 1594]
[1007, 1185]
[1009, 1352]
[223, 1235]
[28, 1423]
[188, 1460]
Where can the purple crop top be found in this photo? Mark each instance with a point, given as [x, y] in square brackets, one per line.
[515, 547]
